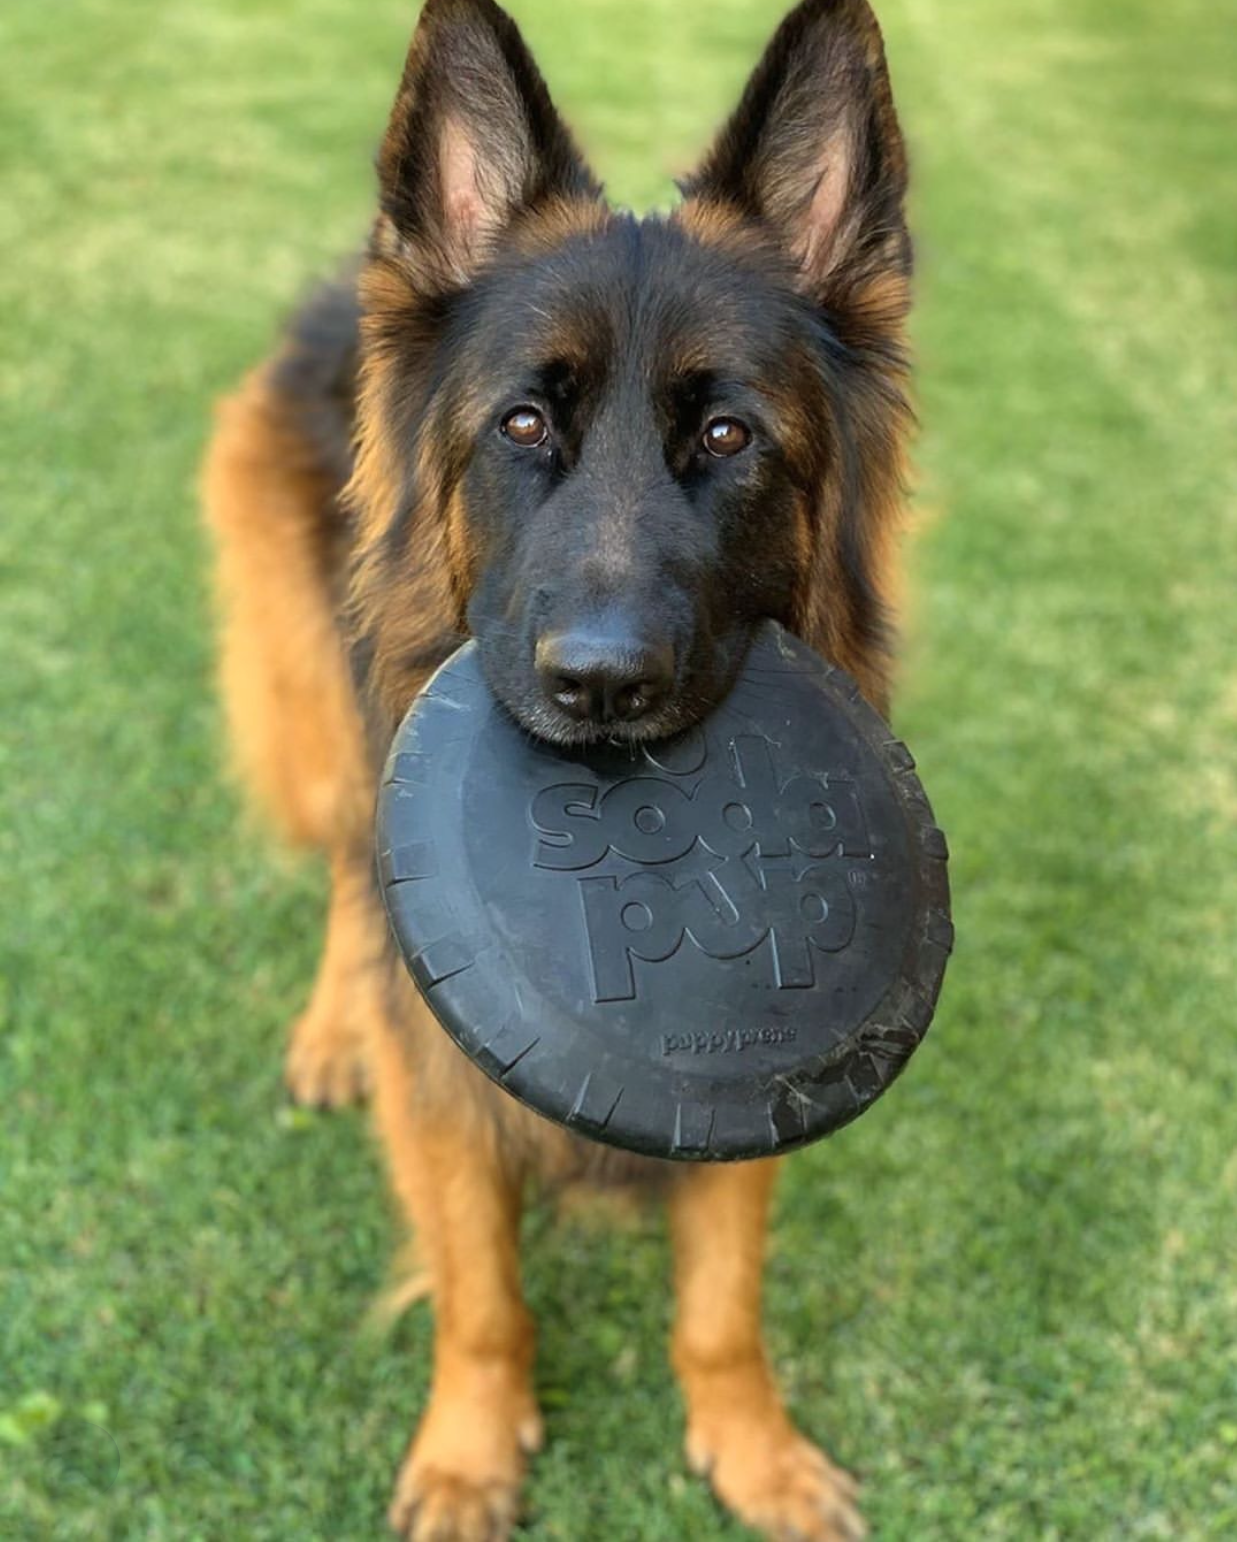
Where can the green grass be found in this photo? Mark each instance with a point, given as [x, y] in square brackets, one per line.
[1008, 1296]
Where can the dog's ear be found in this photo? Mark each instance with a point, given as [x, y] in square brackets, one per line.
[474, 141]
[813, 151]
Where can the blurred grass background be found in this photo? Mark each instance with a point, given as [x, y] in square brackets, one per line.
[1007, 1297]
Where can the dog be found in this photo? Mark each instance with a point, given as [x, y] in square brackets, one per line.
[605, 448]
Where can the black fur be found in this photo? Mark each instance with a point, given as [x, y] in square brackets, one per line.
[315, 373]
[623, 525]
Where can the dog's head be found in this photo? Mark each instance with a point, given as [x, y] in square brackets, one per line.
[608, 447]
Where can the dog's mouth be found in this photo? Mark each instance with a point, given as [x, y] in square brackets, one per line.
[542, 720]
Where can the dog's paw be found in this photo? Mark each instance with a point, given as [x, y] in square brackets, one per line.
[461, 1480]
[325, 1065]
[431, 1505]
[779, 1483]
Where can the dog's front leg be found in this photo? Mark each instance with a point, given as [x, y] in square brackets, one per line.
[461, 1479]
[738, 1432]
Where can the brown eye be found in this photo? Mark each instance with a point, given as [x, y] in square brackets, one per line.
[726, 436]
[526, 427]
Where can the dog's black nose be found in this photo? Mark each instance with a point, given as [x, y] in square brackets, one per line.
[603, 677]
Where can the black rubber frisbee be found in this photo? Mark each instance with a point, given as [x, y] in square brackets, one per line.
[716, 946]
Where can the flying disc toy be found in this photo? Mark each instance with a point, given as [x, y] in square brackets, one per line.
[715, 946]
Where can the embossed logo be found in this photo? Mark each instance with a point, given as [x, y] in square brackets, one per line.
[770, 862]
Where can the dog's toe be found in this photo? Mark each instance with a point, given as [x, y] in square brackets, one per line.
[433, 1506]
[815, 1503]
[786, 1488]
[325, 1065]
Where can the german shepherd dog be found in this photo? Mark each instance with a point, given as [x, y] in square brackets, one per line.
[606, 448]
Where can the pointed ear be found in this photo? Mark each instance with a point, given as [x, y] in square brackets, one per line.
[813, 151]
[474, 140]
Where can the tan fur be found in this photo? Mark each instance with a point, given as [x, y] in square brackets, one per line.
[719, 224]
[738, 1433]
[295, 728]
[556, 221]
[464, 1467]
[293, 720]
[330, 1045]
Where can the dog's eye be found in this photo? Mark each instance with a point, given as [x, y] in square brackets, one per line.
[526, 427]
[726, 436]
